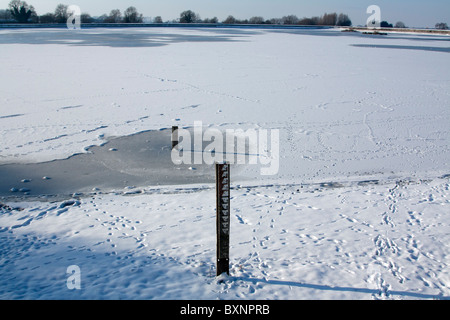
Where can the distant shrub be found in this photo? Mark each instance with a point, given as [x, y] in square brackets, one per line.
[115, 16]
[328, 19]
[309, 21]
[441, 26]
[385, 24]
[212, 20]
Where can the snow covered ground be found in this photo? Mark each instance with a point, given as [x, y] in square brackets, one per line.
[358, 210]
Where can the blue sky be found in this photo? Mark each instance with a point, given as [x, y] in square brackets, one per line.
[413, 13]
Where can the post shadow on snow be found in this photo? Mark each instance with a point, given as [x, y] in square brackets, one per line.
[405, 294]
[34, 266]
[107, 273]
[118, 38]
[12, 116]
[384, 46]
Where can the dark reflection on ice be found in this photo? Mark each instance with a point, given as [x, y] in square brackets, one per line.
[380, 46]
[116, 38]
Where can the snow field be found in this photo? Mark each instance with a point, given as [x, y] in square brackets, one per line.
[375, 241]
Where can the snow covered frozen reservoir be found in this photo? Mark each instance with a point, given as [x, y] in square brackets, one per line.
[358, 209]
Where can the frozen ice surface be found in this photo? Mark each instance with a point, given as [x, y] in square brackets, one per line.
[358, 210]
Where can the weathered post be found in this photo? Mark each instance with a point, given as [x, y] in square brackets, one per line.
[223, 217]
[174, 137]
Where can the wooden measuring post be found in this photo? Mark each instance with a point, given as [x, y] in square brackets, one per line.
[174, 137]
[223, 217]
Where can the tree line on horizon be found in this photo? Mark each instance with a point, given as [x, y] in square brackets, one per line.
[21, 12]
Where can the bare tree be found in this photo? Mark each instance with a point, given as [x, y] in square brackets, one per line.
[256, 20]
[22, 12]
[5, 15]
[101, 19]
[212, 20]
[115, 16]
[131, 15]
[189, 16]
[230, 20]
[275, 21]
[86, 18]
[61, 14]
[291, 19]
[343, 20]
